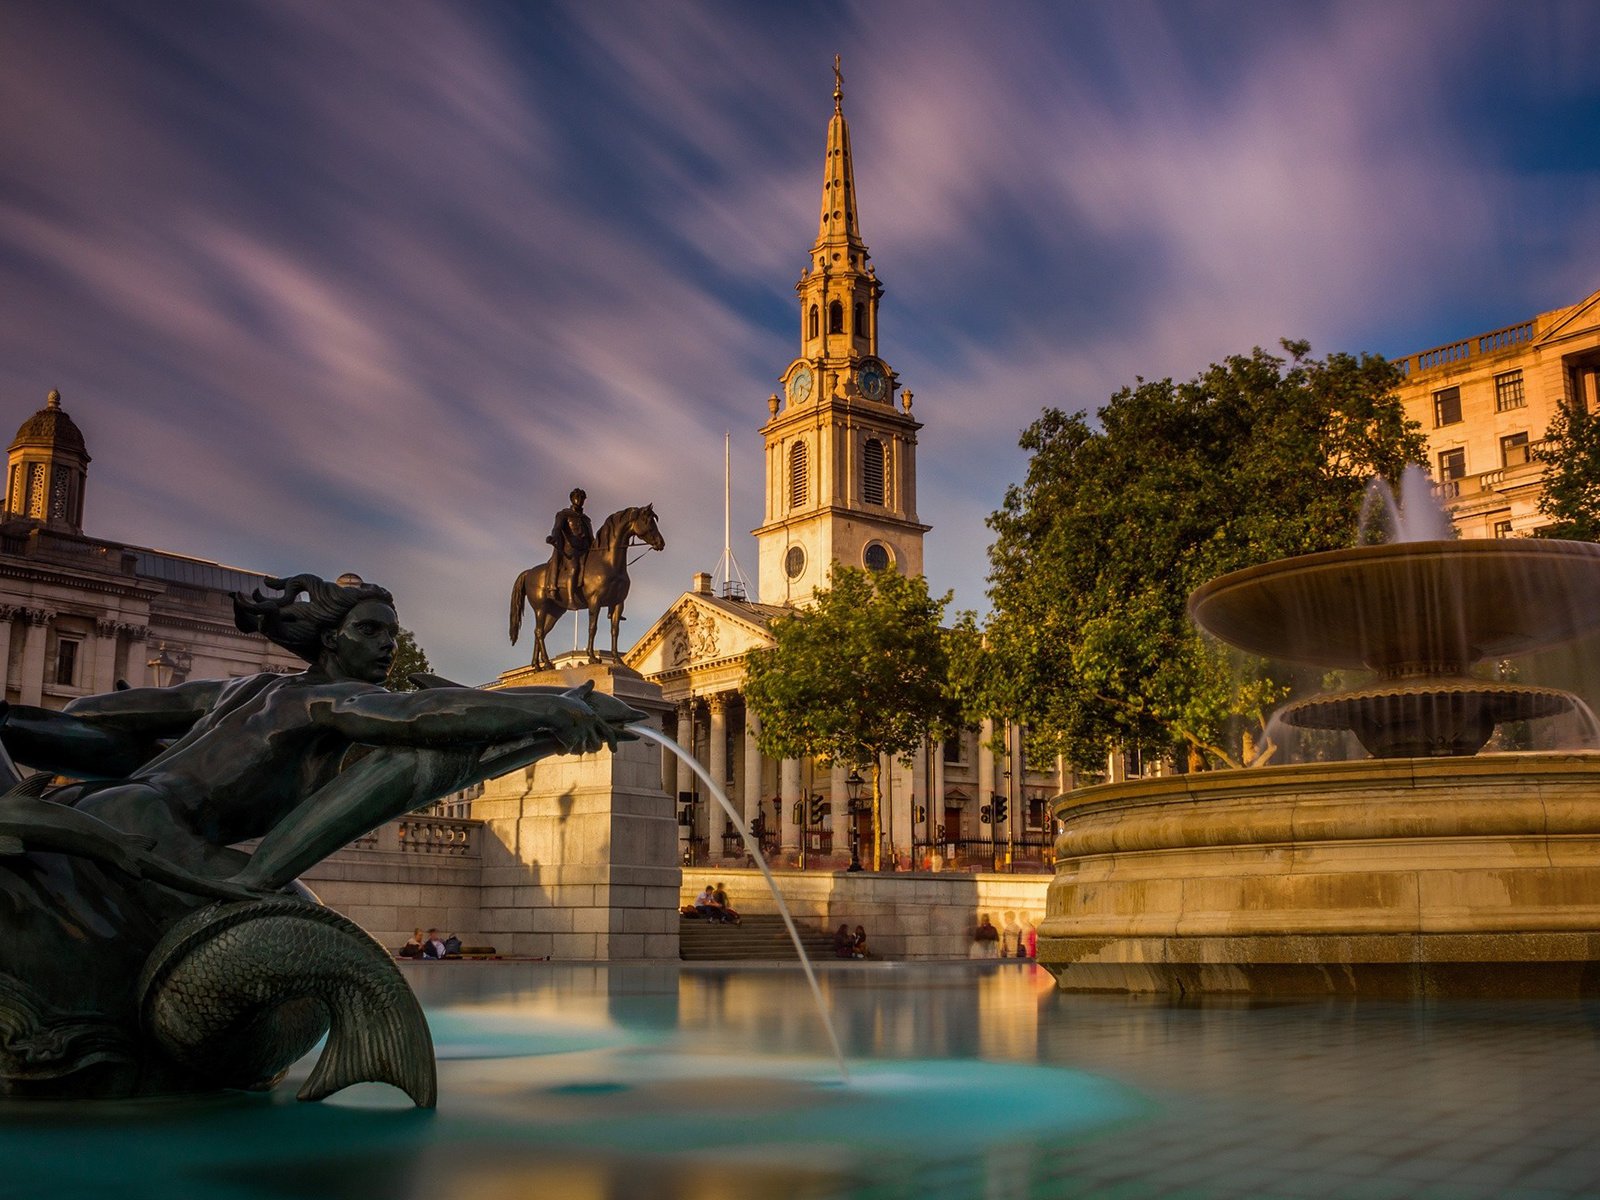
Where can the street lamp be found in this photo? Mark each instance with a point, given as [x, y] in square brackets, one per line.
[162, 666]
[853, 788]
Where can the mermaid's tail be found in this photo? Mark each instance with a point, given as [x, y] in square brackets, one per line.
[236, 993]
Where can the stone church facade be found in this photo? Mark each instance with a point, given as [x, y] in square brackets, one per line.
[839, 455]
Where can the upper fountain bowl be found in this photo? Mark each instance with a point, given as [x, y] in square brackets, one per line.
[1409, 607]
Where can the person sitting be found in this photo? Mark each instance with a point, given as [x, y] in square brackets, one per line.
[985, 939]
[720, 895]
[706, 905]
[413, 946]
[858, 943]
[843, 942]
[433, 947]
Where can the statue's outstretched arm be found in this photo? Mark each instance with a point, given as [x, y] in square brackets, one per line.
[449, 717]
[153, 712]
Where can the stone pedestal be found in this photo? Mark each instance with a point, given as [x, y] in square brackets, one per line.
[579, 851]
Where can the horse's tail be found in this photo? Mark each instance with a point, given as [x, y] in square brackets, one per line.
[518, 595]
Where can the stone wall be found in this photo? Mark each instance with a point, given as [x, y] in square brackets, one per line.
[417, 871]
[907, 915]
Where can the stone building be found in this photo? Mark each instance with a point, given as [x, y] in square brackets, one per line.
[840, 447]
[78, 613]
[1485, 403]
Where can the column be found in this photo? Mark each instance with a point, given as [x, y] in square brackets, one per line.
[921, 793]
[685, 779]
[752, 767]
[717, 764]
[31, 672]
[936, 792]
[789, 790]
[8, 614]
[104, 678]
[986, 790]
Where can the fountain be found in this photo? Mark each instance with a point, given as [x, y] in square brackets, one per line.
[1426, 869]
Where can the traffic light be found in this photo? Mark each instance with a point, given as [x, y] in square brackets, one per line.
[999, 810]
[985, 814]
[920, 813]
[816, 810]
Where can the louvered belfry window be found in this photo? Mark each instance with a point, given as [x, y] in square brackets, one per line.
[797, 475]
[872, 472]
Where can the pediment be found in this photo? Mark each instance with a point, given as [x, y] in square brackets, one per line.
[696, 631]
[1583, 315]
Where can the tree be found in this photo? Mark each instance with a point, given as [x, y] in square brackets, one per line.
[859, 675]
[409, 658]
[1571, 455]
[1097, 551]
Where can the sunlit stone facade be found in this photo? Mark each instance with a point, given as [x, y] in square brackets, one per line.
[1485, 403]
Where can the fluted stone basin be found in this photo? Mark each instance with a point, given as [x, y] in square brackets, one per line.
[1420, 614]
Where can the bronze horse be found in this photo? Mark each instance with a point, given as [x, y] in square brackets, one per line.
[603, 584]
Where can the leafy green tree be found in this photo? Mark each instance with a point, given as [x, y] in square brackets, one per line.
[409, 658]
[1571, 454]
[1096, 553]
[859, 675]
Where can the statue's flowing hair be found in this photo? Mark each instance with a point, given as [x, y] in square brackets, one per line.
[298, 625]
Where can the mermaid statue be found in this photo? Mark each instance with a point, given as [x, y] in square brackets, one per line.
[143, 951]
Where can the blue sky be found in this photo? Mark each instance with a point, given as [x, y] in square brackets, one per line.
[370, 286]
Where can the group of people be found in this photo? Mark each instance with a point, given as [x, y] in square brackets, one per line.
[712, 905]
[431, 946]
[1013, 940]
[850, 945]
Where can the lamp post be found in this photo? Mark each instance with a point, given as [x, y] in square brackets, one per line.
[853, 787]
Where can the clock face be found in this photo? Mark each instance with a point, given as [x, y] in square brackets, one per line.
[800, 385]
[873, 384]
[794, 562]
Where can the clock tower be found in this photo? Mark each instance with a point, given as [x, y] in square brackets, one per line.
[841, 445]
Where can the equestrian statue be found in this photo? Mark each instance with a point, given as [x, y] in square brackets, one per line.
[144, 952]
[586, 570]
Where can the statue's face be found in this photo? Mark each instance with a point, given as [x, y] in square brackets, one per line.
[364, 646]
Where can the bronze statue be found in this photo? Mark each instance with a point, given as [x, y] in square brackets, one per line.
[143, 953]
[603, 582]
[569, 540]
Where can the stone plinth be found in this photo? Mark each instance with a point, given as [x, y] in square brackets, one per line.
[1397, 877]
[579, 853]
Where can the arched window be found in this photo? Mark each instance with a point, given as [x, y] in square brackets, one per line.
[797, 475]
[872, 472]
[835, 317]
[861, 320]
[816, 323]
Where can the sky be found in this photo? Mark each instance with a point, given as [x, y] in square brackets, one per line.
[370, 286]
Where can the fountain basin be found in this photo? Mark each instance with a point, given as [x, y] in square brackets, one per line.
[1408, 607]
[1386, 877]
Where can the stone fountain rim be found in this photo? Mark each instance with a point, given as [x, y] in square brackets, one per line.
[1377, 557]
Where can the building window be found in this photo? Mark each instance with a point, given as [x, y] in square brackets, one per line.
[861, 320]
[1514, 450]
[872, 472]
[955, 749]
[67, 662]
[1508, 391]
[797, 475]
[1502, 529]
[835, 317]
[816, 321]
[1446, 406]
[1452, 464]
[876, 557]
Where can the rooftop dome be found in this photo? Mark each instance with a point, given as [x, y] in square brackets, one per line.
[51, 425]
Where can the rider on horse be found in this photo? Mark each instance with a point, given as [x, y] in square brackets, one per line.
[571, 538]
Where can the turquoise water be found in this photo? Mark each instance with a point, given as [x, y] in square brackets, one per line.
[966, 1080]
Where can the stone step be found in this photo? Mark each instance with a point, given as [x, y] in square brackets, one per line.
[758, 937]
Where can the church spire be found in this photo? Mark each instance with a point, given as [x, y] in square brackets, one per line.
[839, 246]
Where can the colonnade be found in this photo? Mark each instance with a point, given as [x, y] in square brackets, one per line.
[95, 670]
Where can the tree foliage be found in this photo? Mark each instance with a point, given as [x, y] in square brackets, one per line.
[409, 658]
[1257, 458]
[1571, 454]
[859, 675]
